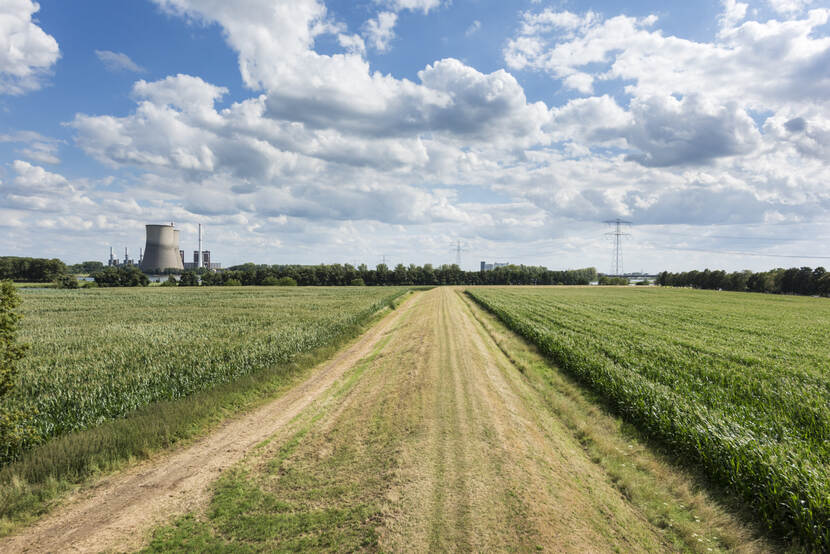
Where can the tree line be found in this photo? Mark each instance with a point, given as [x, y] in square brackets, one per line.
[795, 280]
[31, 270]
[382, 275]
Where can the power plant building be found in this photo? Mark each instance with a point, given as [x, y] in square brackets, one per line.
[206, 263]
[162, 249]
[490, 267]
[162, 252]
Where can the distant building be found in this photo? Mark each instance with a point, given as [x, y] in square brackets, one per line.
[206, 263]
[160, 252]
[127, 261]
[495, 265]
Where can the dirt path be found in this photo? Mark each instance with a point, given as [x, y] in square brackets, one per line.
[491, 473]
[117, 512]
[422, 436]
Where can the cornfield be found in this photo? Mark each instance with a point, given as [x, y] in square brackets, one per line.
[100, 354]
[737, 383]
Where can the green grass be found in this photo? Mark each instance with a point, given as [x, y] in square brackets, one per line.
[29, 485]
[100, 354]
[738, 383]
[33, 285]
[320, 489]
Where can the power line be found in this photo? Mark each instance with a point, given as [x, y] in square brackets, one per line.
[617, 234]
[458, 248]
[734, 237]
[739, 253]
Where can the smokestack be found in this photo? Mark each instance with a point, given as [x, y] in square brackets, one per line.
[201, 261]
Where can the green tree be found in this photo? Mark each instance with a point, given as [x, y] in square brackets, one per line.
[13, 433]
[66, 282]
[86, 267]
[189, 279]
[10, 350]
[121, 277]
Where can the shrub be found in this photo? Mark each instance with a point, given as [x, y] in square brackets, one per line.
[357, 282]
[13, 434]
[608, 280]
[129, 276]
[170, 282]
[286, 282]
[233, 283]
[66, 282]
[270, 281]
[189, 279]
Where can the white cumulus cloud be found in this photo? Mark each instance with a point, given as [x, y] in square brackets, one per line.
[328, 150]
[380, 30]
[412, 5]
[27, 53]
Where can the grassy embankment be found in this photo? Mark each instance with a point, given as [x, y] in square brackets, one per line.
[736, 383]
[118, 374]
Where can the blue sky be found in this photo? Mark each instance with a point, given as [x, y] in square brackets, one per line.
[312, 131]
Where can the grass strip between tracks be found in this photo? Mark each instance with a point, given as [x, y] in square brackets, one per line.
[34, 484]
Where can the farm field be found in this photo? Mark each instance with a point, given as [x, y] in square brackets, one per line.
[738, 383]
[100, 354]
[437, 430]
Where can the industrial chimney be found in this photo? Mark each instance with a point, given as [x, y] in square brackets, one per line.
[162, 249]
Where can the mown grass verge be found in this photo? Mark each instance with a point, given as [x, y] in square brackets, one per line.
[681, 503]
[781, 480]
[32, 485]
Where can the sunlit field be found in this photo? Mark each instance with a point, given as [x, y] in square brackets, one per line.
[737, 382]
[99, 354]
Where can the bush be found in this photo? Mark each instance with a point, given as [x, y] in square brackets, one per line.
[129, 276]
[233, 283]
[286, 282]
[66, 282]
[357, 282]
[270, 281]
[170, 282]
[87, 267]
[189, 279]
[13, 435]
[89, 285]
[608, 280]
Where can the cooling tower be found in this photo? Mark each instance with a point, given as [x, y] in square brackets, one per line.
[162, 249]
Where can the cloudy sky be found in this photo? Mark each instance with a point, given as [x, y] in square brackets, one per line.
[308, 131]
